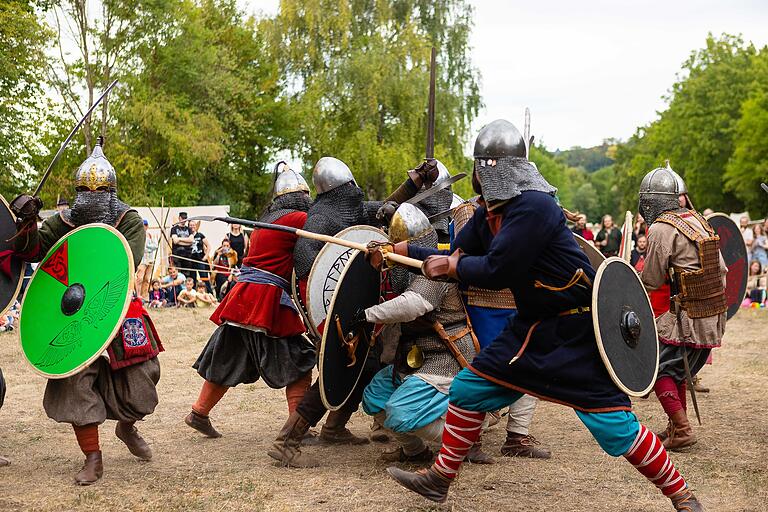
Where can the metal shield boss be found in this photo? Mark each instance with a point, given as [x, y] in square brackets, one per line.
[345, 344]
[735, 255]
[11, 268]
[76, 300]
[625, 328]
[327, 269]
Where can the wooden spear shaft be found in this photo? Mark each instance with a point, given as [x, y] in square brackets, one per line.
[395, 258]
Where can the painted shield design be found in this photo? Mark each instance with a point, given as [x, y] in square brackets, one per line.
[735, 255]
[345, 345]
[625, 329]
[328, 267]
[76, 300]
[595, 257]
[11, 268]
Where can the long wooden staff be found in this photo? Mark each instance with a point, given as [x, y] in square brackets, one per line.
[396, 258]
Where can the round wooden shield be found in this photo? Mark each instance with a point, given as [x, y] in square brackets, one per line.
[595, 257]
[343, 349]
[327, 268]
[76, 300]
[11, 268]
[625, 329]
[2, 389]
[735, 255]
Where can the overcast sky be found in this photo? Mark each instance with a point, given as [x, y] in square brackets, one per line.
[589, 69]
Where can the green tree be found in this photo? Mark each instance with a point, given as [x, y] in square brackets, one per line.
[748, 166]
[696, 132]
[358, 74]
[22, 43]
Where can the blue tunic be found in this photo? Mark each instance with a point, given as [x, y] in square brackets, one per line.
[533, 245]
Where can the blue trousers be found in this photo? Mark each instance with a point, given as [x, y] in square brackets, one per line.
[409, 403]
[614, 431]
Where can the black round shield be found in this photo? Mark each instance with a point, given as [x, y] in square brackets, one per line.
[625, 329]
[11, 268]
[2, 389]
[345, 346]
[735, 255]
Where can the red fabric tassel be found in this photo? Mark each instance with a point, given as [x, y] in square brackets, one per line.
[651, 459]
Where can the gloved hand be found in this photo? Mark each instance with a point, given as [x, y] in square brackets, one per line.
[425, 173]
[375, 253]
[442, 268]
[26, 209]
[359, 320]
[386, 211]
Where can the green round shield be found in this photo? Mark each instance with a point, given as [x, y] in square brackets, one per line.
[76, 300]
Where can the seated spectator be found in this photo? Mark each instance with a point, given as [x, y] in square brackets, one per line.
[756, 283]
[205, 299]
[608, 239]
[581, 228]
[188, 295]
[10, 319]
[158, 297]
[637, 258]
[173, 283]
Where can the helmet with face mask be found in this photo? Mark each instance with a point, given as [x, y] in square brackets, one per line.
[95, 192]
[659, 192]
[502, 170]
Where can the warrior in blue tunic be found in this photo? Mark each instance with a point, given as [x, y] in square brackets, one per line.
[520, 241]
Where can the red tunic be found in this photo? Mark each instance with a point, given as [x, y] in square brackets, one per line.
[258, 305]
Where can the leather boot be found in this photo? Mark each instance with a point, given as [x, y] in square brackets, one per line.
[685, 501]
[92, 470]
[698, 386]
[378, 434]
[286, 448]
[682, 435]
[425, 456]
[202, 424]
[426, 482]
[665, 433]
[126, 432]
[519, 445]
[4, 462]
[335, 430]
[476, 455]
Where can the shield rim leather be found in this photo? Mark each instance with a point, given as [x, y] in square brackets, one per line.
[319, 259]
[5, 307]
[736, 306]
[625, 249]
[598, 337]
[590, 250]
[303, 313]
[324, 343]
[118, 324]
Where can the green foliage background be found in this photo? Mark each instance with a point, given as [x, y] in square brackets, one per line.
[208, 96]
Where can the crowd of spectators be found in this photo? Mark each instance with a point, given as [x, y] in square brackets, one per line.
[197, 275]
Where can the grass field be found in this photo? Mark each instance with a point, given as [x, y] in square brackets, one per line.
[728, 469]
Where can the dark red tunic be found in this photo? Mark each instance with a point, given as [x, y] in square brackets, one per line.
[258, 305]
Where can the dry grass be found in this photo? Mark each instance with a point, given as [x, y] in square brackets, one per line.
[728, 467]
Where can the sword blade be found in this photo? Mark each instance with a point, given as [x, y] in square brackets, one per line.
[69, 138]
[436, 188]
[430, 153]
[689, 378]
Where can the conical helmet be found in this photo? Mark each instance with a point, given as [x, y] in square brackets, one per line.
[410, 224]
[289, 181]
[330, 173]
[96, 172]
[659, 192]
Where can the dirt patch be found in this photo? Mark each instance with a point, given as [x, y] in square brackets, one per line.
[727, 469]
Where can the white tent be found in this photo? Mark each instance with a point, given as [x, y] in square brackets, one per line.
[158, 217]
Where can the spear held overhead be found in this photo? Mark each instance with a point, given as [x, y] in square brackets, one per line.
[395, 258]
